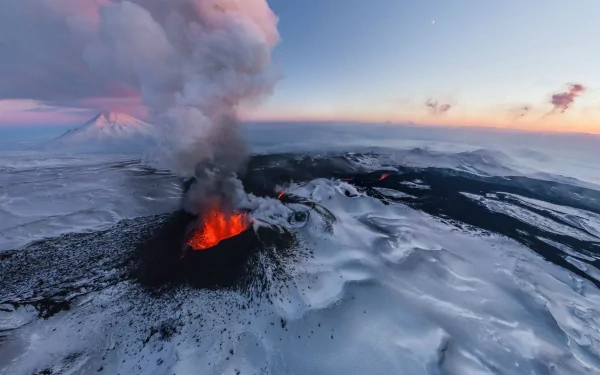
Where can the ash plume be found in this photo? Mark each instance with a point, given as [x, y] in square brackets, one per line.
[520, 112]
[435, 108]
[191, 62]
[562, 101]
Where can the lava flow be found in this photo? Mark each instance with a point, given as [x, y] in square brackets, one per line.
[217, 226]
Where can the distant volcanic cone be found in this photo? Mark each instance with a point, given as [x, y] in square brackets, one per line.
[109, 132]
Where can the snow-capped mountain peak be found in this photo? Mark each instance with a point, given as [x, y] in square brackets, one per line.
[107, 132]
[108, 118]
[114, 123]
[113, 117]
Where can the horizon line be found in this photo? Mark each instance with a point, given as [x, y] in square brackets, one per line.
[341, 122]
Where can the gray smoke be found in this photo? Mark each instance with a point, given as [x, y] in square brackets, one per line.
[520, 112]
[192, 63]
[435, 108]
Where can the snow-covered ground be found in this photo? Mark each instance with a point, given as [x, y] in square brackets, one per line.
[45, 195]
[552, 156]
[388, 289]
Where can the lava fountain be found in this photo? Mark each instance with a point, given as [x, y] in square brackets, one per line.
[216, 226]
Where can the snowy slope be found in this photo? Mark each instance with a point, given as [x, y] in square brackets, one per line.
[387, 290]
[46, 196]
[106, 133]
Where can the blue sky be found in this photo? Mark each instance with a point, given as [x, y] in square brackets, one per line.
[486, 63]
[483, 57]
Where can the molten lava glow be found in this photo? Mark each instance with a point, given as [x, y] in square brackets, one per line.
[346, 179]
[384, 176]
[216, 227]
[280, 195]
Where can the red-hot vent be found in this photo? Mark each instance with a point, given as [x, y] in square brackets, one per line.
[216, 226]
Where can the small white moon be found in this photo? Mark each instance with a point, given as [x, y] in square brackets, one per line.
[433, 22]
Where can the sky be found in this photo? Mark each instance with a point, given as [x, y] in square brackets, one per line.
[511, 64]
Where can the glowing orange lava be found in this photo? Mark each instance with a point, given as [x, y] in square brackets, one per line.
[216, 227]
[281, 195]
[384, 176]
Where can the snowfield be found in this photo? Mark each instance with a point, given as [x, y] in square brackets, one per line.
[45, 196]
[459, 262]
[389, 290]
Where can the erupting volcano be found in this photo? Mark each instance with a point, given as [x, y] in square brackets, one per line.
[217, 226]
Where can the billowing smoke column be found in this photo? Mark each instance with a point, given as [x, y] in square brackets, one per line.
[194, 62]
[191, 62]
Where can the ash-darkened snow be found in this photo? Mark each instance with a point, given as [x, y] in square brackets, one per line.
[370, 266]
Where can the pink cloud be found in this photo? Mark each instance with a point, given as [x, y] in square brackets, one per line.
[113, 55]
[563, 100]
[23, 112]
